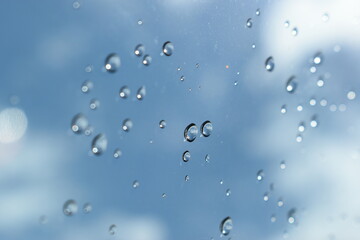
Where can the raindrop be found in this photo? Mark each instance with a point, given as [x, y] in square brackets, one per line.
[127, 125]
[282, 165]
[280, 202]
[291, 85]
[76, 4]
[228, 192]
[260, 175]
[301, 127]
[124, 92]
[286, 24]
[314, 122]
[70, 208]
[291, 215]
[86, 86]
[187, 178]
[89, 130]
[197, 65]
[236, 83]
[318, 58]
[323, 102]
[141, 93]
[299, 138]
[112, 62]
[89, 68]
[320, 82]
[87, 208]
[325, 17]
[190, 133]
[206, 128]
[333, 108]
[312, 102]
[79, 123]
[226, 226]
[140, 22]
[168, 48]
[249, 23]
[266, 197]
[117, 153]
[179, 69]
[99, 144]
[257, 12]
[112, 229]
[136, 184]
[351, 95]
[273, 218]
[283, 109]
[253, 46]
[147, 60]
[342, 107]
[186, 156]
[313, 69]
[221, 182]
[182, 78]
[299, 108]
[269, 64]
[295, 31]
[162, 124]
[163, 195]
[207, 158]
[139, 50]
[94, 104]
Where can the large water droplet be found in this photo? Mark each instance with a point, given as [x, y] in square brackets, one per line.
[141, 93]
[124, 92]
[206, 128]
[291, 85]
[162, 124]
[186, 156]
[86, 86]
[269, 64]
[318, 58]
[70, 207]
[127, 125]
[168, 48]
[147, 60]
[139, 50]
[291, 216]
[79, 123]
[226, 226]
[99, 144]
[260, 175]
[190, 133]
[112, 63]
[87, 208]
[249, 23]
[112, 229]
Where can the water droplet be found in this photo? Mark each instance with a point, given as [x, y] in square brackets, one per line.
[249, 23]
[266, 197]
[190, 133]
[112, 63]
[168, 48]
[99, 144]
[206, 128]
[253, 46]
[139, 50]
[124, 92]
[301, 127]
[291, 85]
[312, 102]
[313, 69]
[283, 109]
[226, 226]
[89, 130]
[282, 165]
[280, 202]
[141, 93]
[269, 64]
[342, 107]
[323, 102]
[236, 83]
[325, 17]
[76, 5]
[94, 104]
[162, 124]
[197, 65]
[70, 208]
[179, 69]
[320, 82]
[43, 219]
[112, 229]
[257, 12]
[351, 95]
[89, 68]
[228, 192]
[291, 216]
[86, 86]
[136, 184]
[186, 156]
[182, 78]
[140, 22]
[127, 125]
[318, 58]
[299, 138]
[273, 218]
[207, 158]
[87, 208]
[295, 31]
[187, 178]
[221, 182]
[314, 122]
[299, 108]
[147, 60]
[79, 123]
[333, 108]
[260, 175]
[117, 153]
[286, 24]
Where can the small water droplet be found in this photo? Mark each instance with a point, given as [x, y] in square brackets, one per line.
[312, 69]
[260, 175]
[141, 93]
[191, 132]
[249, 23]
[127, 125]
[163, 195]
[221, 182]
[351, 95]
[179, 69]
[291, 85]
[162, 124]
[112, 63]
[206, 128]
[282, 165]
[79, 123]
[257, 12]
[87, 86]
[299, 108]
[186, 156]
[94, 104]
[182, 78]
[99, 144]
[333, 108]
[295, 31]
[168, 48]
[89, 68]
[280, 202]
[117, 153]
[76, 5]
[266, 197]
[136, 184]
[187, 178]
[70, 208]
[226, 226]
[89, 130]
[273, 218]
[228, 192]
[323, 102]
[269, 64]
[43, 219]
[197, 65]
[139, 50]
[314, 122]
[325, 17]
[124, 92]
[342, 107]
[318, 58]
[253, 46]
[236, 83]
[147, 60]
[301, 127]
[87, 208]
[320, 82]
[207, 158]
[286, 24]
[291, 216]
[283, 109]
[112, 229]
[299, 138]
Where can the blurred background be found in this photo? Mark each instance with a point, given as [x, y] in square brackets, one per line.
[96, 97]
